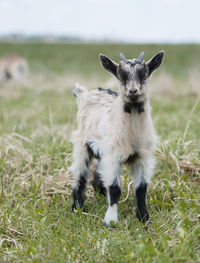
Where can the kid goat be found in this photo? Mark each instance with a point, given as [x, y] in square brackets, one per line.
[113, 129]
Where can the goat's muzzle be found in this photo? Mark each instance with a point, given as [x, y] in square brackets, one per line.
[133, 94]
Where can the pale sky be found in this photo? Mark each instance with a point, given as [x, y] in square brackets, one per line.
[126, 20]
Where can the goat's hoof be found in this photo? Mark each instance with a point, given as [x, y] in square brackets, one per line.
[107, 221]
[73, 207]
[77, 206]
[143, 216]
[106, 224]
[111, 215]
[112, 224]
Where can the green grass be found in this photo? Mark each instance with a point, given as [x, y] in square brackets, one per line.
[83, 59]
[36, 120]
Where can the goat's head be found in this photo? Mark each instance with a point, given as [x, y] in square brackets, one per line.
[132, 74]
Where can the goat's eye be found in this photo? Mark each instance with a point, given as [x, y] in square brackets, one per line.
[141, 75]
[124, 75]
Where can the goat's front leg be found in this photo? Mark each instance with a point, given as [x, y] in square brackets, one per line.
[110, 175]
[140, 192]
[141, 171]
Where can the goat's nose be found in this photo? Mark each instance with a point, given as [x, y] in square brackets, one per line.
[132, 91]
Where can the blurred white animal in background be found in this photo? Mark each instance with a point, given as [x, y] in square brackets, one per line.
[13, 67]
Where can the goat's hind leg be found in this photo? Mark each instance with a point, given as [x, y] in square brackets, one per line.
[94, 152]
[79, 191]
[79, 170]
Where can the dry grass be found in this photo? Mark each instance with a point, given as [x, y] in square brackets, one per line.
[37, 116]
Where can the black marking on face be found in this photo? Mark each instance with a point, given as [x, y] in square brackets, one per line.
[124, 75]
[98, 184]
[91, 152]
[79, 192]
[142, 213]
[135, 106]
[109, 91]
[142, 74]
[115, 193]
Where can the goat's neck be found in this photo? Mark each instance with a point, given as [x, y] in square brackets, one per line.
[130, 125]
[137, 108]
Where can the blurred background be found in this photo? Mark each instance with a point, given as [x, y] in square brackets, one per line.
[48, 45]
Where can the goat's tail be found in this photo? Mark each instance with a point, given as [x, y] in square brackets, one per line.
[79, 91]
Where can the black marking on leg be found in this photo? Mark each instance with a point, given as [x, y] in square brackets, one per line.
[79, 192]
[142, 213]
[98, 184]
[115, 192]
[91, 152]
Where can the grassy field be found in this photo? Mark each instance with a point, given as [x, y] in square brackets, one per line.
[36, 120]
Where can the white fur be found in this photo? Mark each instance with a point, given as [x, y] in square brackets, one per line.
[13, 66]
[115, 135]
[142, 170]
[111, 215]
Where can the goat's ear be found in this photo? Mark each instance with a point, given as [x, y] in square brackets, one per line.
[108, 64]
[155, 62]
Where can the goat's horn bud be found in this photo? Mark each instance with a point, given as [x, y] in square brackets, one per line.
[122, 57]
[141, 56]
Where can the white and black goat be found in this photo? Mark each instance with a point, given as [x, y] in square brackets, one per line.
[113, 129]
